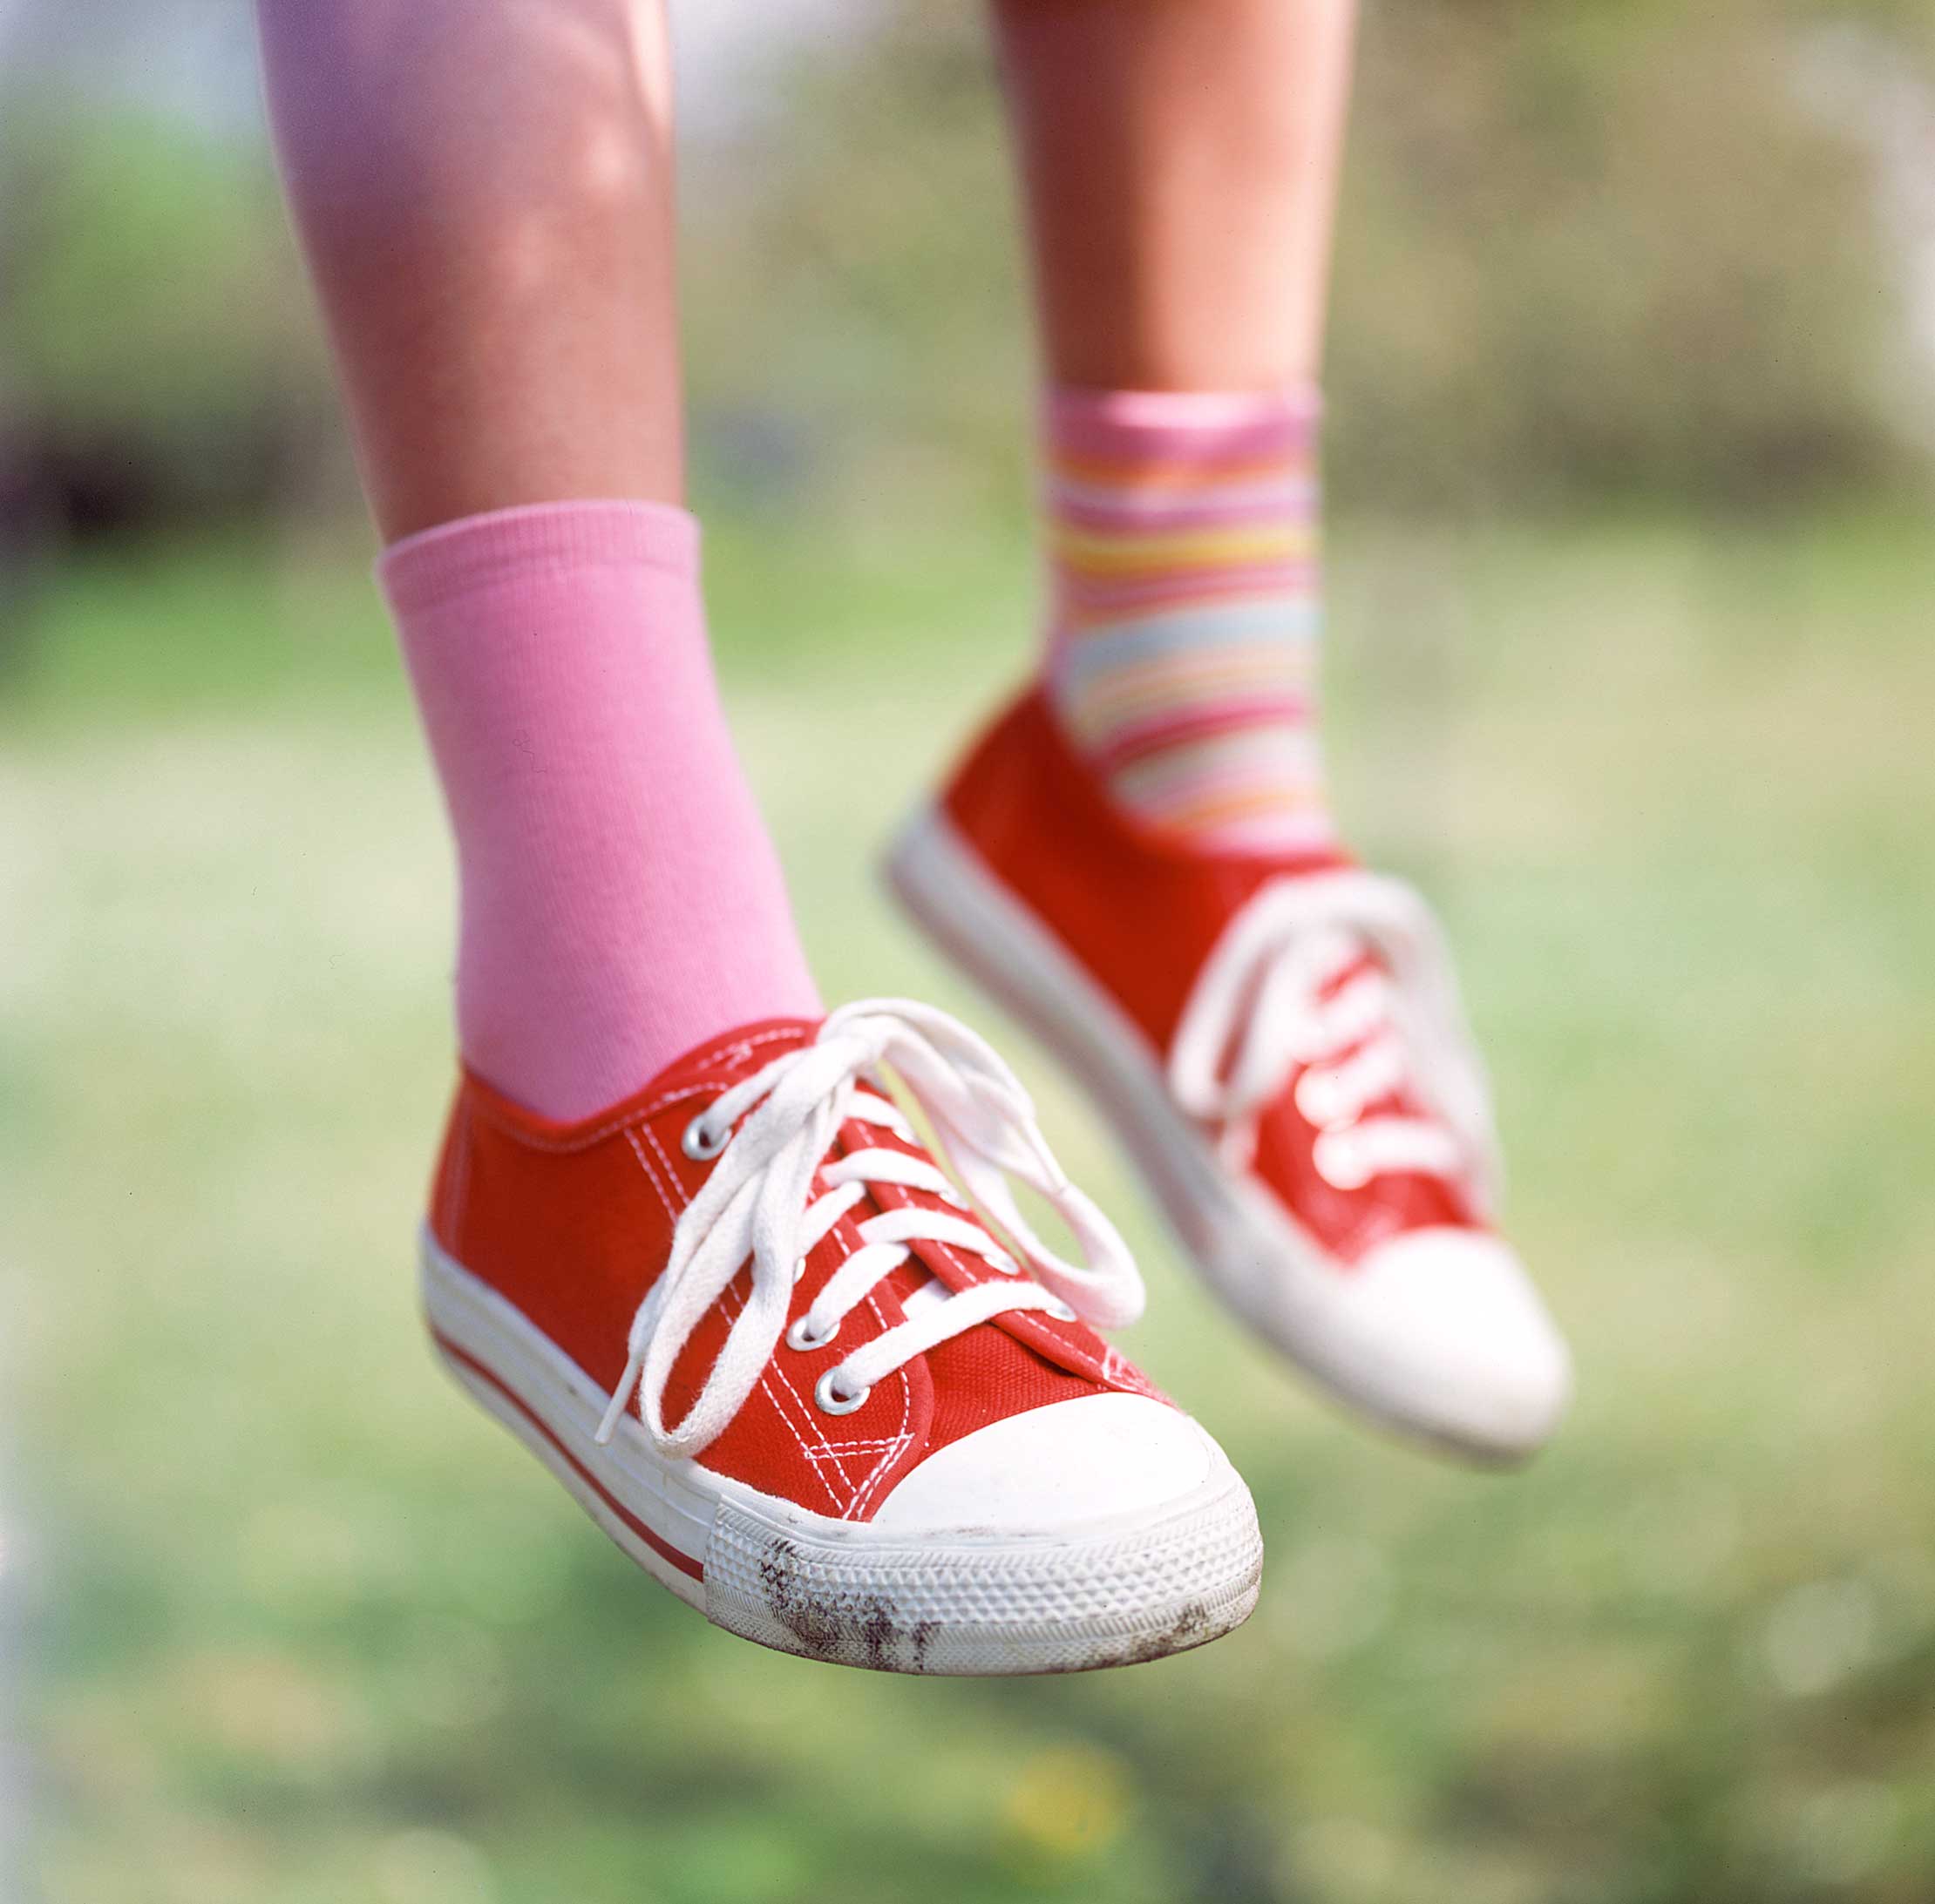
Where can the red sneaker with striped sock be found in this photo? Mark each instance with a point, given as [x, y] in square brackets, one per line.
[1279, 1042]
[783, 1361]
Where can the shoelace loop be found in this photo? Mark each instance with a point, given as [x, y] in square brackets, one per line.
[1259, 1011]
[755, 1204]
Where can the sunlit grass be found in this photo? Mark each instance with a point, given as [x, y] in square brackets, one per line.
[298, 1625]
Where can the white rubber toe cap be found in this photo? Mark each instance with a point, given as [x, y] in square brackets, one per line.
[1451, 1338]
[1053, 1470]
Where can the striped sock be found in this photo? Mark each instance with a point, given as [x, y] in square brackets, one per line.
[1183, 656]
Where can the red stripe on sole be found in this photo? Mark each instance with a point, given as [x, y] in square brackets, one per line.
[662, 1547]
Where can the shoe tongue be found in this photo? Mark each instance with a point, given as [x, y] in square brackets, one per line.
[1027, 1364]
[923, 1263]
[739, 1052]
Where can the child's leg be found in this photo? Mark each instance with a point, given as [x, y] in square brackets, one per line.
[1138, 856]
[483, 191]
[744, 1318]
[1181, 160]
[484, 194]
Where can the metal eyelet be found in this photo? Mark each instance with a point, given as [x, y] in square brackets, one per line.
[830, 1401]
[800, 1270]
[1061, 1311]
[803, 1338]
[700, 1144]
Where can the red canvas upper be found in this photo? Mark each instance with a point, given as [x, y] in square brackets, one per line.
[1141, 915]
[572, 1222]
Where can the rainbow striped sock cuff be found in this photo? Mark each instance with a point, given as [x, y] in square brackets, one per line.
[1183, 654]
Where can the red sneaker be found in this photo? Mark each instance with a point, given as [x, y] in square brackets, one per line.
[1281, 1047]
[775, 1353]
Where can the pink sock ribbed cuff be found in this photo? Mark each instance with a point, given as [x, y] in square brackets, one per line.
[532, 542]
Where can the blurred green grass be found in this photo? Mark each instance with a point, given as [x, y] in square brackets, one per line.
[292, 1624]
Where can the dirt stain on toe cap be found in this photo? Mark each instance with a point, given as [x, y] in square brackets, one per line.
[814, 1623]
[867, 1632]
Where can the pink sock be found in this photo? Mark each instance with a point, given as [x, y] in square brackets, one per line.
[620, 900]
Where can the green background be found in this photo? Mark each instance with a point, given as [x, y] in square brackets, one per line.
[1639, 701]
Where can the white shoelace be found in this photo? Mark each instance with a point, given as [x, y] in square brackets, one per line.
[755, 1204]
[1258, 1010]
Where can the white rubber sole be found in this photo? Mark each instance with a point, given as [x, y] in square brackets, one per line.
[1253, 1254]
[1109, 1592]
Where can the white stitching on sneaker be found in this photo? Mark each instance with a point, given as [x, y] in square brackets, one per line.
[773, 1385]
[881, 1472]
[753, 1203]
[777, 1392]
[904, 1433]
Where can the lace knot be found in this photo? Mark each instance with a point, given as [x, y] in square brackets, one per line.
[757, 1203]
[1277, 994]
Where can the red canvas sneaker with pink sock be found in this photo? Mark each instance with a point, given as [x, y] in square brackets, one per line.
[1277, 1039]
[847, 1405]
